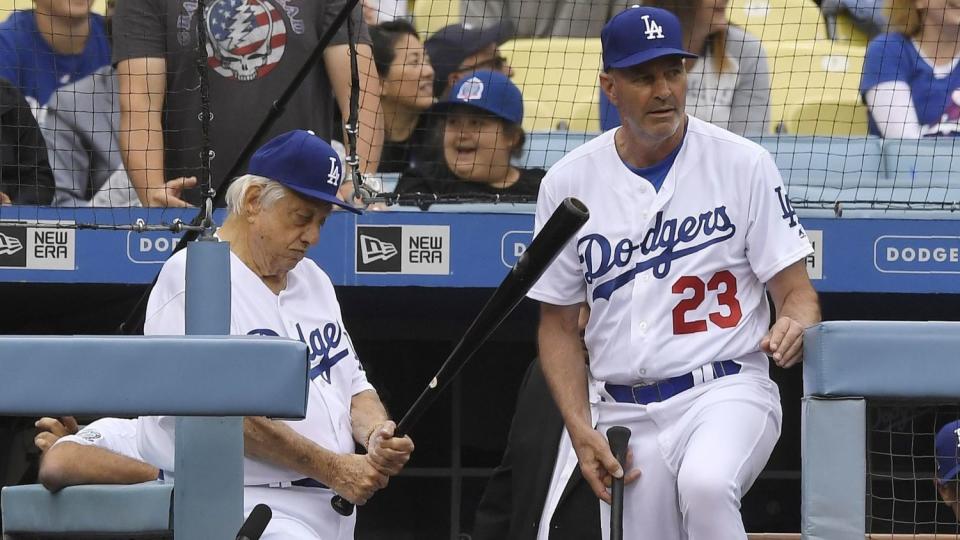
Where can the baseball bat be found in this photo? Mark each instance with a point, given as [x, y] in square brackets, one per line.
[556, 232]
[618, 436]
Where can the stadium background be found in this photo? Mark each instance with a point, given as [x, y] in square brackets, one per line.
[403, 332]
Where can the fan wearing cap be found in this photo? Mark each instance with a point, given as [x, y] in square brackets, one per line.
[460, 49]
[275, 213]
[948, 465]
[687, 233]
[482, 133]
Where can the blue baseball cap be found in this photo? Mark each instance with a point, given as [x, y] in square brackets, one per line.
[489, 91]
[304, 163]
[948, 451]
[451, 45]
[639, 34]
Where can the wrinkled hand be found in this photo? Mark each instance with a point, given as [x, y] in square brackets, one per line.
[356, 479]
[49, 430]
[5, 199]
[170, 195]
[784, 342]
[599, 466]
[388, 453]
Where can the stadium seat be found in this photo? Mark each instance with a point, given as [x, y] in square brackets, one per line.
[923, 164]
[544, 148]
[778, 20]
[558, 77]
[841, 28]
[815, 88]
[432, 15]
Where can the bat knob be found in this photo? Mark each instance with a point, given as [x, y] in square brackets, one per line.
[341, 505]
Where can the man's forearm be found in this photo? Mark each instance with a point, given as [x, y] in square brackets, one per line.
[801, 305]
[366, 414]
[561, 356]
[141, 148]
[70, 464]
[277, 443]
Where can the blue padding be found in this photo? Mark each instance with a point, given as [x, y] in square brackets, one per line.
[136, 375]
[85, 509]
[835, 162]
[876, 359]
[923, 163]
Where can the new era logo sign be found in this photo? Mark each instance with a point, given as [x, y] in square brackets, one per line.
[403, 249]
[654, 30]
[373, 249]
[9, 245]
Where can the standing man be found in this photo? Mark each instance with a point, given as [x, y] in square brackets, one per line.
[57, 43]
[255, 49]
[275, 214]
[689, 227]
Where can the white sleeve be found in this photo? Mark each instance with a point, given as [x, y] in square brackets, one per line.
[118, 435]
[562, 283]
[167, 306]
[775, 238]
[891, 107]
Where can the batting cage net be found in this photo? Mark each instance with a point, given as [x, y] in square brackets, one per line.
[902, 469]
[123, 103]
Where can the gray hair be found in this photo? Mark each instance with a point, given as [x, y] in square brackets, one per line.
[270, 191]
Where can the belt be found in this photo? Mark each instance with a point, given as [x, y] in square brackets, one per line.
[646, 393]
[303, 482]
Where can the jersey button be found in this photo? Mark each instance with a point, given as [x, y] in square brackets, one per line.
[643, 372]
[642, 326]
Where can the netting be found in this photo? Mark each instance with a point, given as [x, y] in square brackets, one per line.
[120, 103]
[902, 495]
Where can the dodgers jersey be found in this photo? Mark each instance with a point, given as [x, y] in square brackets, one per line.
[306, 310]
[675, 278]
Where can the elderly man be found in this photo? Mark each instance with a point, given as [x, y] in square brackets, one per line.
[275, 215]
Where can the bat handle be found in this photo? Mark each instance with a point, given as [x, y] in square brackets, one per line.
[619, 437]
[341, 505]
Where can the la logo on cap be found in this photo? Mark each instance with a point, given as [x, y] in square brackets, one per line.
[472, 89]
[654, 30]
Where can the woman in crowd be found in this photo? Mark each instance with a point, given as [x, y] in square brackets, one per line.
[406, 79]
[911, 76]
[482, 134]
[729, 85]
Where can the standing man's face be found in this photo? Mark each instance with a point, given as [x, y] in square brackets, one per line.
[650, 97]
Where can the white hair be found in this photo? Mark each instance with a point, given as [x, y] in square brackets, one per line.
[270, 191]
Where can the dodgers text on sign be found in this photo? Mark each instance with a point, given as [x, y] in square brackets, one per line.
[917, 254]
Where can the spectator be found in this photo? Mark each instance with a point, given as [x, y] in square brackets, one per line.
[729, 85]
[948, 465]
[44, 48]
[481, 133]
[25, 176]
[406, 79]
[382, 11]
[82, 127]
[543, 18]
[160, 135]
[458, 50]
[911, 76]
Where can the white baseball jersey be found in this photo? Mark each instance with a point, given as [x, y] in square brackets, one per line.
[118, 435]
[306, 310]
[675, 278]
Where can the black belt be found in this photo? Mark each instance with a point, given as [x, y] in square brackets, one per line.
[309, 482]
[644, 394]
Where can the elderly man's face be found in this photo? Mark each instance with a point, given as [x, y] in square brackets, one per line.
[281, 234]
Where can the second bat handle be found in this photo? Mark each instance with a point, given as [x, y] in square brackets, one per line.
[618, 437]
[341, 505]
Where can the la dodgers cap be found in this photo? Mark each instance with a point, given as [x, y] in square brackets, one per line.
[451, 45]
[489, 91]
[948, 451]
[304, 163]
[639, 34]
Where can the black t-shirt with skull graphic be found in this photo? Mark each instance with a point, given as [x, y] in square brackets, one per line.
[254, 50]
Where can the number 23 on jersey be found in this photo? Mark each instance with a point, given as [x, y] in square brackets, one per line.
[725, 314]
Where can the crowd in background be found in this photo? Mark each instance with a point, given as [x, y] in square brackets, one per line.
[104, 110]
